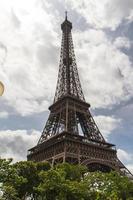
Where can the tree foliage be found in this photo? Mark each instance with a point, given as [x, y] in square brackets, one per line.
[27, 180]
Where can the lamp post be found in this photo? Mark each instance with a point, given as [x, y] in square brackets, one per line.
[1, 88]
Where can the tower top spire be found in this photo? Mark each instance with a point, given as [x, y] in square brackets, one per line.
[66, 15]
[66, 24]
[68, 83]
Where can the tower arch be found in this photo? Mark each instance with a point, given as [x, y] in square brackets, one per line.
[99, 165]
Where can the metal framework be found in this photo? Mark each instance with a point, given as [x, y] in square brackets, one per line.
[71, 134]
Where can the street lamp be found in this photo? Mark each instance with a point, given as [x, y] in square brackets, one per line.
[1, 88]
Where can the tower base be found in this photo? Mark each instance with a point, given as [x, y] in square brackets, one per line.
[76, 149]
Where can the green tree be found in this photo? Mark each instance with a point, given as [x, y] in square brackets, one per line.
[72, 172]
[30, 172]
[8, 179]
[64, 182]
[39, 181]
[5, 169]
[108, 185]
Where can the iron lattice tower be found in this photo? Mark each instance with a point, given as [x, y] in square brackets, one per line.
[71, 134]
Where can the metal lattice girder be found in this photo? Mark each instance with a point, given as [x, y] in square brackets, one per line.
[66, 115]
[71, 134]
[68, 78]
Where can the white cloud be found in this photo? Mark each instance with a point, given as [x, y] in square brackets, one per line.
[130, 167]
[106, 72]
[124, 156]
[105, 14]
[14, 144]
[121, 42]
[4, 115]
[107, 124]
[28, 48]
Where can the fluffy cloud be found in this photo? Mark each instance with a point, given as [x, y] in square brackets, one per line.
[105, 14]
[106, 72]
[14, 144]
[122, 42]
[107, 124]
[126, 158]
[29, 50]
[4, 115]
[27, 66]
[130, 167]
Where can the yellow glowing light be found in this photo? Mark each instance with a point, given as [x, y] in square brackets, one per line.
[1, 88]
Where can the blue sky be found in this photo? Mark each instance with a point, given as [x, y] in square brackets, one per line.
[30, 39]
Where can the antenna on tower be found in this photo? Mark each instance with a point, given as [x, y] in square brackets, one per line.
[66, 14]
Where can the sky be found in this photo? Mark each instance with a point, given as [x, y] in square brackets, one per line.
[30, 40]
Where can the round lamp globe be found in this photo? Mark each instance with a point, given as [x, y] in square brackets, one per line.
[1, 88]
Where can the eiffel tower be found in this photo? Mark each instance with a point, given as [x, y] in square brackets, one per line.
[71, 134]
